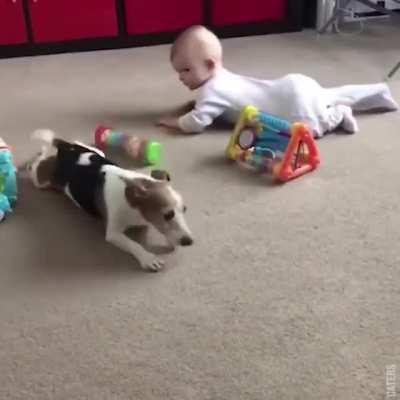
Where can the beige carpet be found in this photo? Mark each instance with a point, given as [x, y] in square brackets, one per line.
[290, 292]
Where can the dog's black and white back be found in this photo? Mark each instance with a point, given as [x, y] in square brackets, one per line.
[123, 198]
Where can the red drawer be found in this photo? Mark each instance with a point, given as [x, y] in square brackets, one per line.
[12, 22]
[230, 12]
[151, 16]
[60, 20]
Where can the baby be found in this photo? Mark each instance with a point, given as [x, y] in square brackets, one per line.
[196, 56]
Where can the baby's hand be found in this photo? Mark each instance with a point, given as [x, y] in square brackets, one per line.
[169, 122]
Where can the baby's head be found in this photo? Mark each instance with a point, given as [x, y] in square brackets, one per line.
[195, 55]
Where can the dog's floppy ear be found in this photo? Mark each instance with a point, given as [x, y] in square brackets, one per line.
[136, 189]
[160, 175]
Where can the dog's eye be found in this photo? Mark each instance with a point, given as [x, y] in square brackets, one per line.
[184, 209]
[169, 215]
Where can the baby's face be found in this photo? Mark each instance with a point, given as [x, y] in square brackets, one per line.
[192, 71]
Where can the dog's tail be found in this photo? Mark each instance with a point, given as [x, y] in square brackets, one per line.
[41, 167]
[50, 142]
[48, 139]
[46, 136]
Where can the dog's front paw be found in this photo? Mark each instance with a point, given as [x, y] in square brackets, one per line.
[152, 263]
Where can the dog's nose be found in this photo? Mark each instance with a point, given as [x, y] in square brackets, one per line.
[186, 241]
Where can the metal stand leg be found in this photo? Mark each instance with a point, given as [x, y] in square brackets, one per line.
[341, 7]
[335, 16]
[376, 7]
[393, 70]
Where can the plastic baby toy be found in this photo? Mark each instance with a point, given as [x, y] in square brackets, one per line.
[8, 181]
[272, 145]
[145, 151]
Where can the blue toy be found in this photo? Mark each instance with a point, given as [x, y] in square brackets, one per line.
[8, 181]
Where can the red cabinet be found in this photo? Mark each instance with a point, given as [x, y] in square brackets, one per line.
[12, 22]
[151, 16]
[60, 20]
[230, 12]
[30, 27]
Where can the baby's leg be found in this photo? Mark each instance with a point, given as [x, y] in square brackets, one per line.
[363, 97]
[340, 116]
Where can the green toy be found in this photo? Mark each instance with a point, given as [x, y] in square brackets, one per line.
[145, 151]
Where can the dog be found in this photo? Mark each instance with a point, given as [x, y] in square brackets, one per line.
[123, 198]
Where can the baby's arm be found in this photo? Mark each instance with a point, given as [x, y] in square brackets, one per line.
[196, 120]
[171, 120]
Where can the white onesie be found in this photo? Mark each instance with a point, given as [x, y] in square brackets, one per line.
[294, 97]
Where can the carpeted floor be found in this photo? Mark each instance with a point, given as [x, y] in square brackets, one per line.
[290, 292]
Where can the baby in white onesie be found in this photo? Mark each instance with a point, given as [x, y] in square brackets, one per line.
[197, 58]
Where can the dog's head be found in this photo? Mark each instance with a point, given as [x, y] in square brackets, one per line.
[160, 205]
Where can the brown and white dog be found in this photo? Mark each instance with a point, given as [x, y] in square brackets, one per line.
[122, 197]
